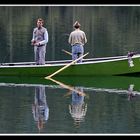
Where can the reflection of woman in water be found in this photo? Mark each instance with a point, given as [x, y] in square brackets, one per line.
[40, 108]
[78, 108]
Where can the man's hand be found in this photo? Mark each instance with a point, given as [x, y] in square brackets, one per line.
[37, 44]
[33, 42]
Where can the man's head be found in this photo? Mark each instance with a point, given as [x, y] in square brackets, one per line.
[76, 25]
[40, 22]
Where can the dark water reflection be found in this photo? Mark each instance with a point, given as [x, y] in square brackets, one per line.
[53, 109]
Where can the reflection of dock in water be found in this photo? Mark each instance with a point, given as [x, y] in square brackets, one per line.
[111, 84]
[85, 88]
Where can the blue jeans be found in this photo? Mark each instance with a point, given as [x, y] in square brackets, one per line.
[77, 51]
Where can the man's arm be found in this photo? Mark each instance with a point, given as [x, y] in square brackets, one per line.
[46, 38]
[85, 39]
[70, 39]
[33, 39]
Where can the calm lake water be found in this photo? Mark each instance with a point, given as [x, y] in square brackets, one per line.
[109, 105]
[105, 105]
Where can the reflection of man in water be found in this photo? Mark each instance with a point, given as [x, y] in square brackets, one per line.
[130, 92]
[40, 108]
[78, 107]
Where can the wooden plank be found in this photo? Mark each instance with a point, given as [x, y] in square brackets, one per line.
[66, 66]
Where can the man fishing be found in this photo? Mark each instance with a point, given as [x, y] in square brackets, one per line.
[77, 39]
[39, 41]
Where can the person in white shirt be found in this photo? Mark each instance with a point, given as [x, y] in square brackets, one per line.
[39, 41]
